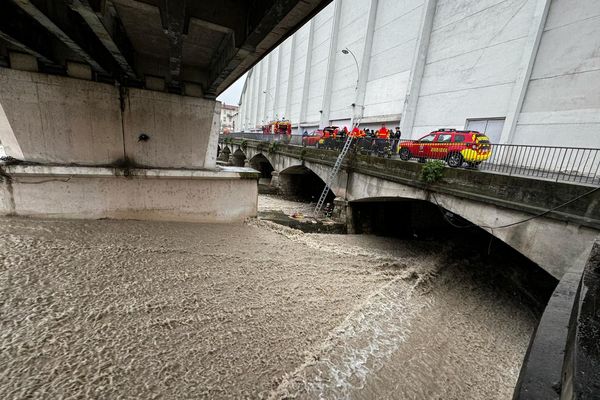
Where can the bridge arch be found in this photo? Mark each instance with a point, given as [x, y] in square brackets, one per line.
[301, 182]
[262, 164]
[238, 158]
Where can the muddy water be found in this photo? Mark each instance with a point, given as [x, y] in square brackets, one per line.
[114, 309]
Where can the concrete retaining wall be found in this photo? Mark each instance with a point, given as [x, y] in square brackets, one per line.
[229, 195]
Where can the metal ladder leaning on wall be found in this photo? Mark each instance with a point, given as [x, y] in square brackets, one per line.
[332, 175]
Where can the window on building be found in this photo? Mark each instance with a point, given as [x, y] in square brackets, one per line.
[492, 127]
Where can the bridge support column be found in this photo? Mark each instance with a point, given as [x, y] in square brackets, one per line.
[350, 228]
[275, 179]
[84, 137]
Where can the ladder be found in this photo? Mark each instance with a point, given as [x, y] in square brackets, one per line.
[333, 174]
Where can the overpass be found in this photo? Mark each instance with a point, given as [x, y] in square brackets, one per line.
[107, 107]
[557, 240]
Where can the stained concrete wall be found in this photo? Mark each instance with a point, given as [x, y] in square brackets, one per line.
[63, 120]
[180, 129]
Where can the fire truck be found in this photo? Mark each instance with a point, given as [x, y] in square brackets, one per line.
[281, 127]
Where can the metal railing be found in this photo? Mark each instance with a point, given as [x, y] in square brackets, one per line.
[569, 164]
[565, 164]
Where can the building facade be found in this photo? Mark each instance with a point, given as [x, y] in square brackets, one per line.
[523, 71]
[229, 116]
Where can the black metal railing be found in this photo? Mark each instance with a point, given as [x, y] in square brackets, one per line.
[566, 164]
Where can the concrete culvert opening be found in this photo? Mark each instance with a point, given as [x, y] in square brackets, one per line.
[439, 229]
[260, 163]
[301, 184]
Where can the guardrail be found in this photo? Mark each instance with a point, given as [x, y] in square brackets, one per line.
[566, 164]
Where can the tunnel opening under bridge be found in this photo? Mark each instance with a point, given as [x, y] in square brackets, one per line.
[302, 184]
[262, 164]
[440, 230]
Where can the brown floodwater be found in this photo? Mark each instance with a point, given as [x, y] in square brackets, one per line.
[132, 309]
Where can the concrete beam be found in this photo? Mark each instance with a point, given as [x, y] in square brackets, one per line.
[41, 18]
[24, 48]
[527, 62]
[265, 34]
[174, 21]
[83, 8]
[335, 27]
[413, 89]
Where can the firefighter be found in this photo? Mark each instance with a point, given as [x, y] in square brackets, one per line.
[383, 133]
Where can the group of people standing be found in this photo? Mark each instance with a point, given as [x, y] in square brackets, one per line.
[381, 133]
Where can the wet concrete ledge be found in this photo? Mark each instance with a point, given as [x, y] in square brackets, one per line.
[227, 194]
[563, 358]
[221, 172]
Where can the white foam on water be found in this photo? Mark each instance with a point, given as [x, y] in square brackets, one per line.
[358, 346]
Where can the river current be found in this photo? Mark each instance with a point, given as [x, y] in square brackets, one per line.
[132, 309]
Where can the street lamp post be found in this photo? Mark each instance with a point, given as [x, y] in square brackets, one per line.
[348, 51]
[272, 100]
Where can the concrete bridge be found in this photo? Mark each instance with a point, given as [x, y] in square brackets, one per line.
[560, 227]
[108, 110]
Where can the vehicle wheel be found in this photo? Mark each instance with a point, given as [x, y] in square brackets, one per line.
[422, 160]
[405, 154]
[455, 160]
[473, 164]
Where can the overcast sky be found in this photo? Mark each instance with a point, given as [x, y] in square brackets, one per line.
[232, 94]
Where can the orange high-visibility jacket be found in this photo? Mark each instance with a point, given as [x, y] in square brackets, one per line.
[383, 133]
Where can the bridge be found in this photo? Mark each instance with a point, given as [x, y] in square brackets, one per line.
[562, 220]
[108, 110]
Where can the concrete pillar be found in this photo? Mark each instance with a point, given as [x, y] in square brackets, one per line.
[101, 151]
[257, 94]
[536, 29]
[350, 226]
[304, 104]
[363, 76]
[335, 25]
[411, 100]
[339, 209]
[288, 98]
[277, 95]
[275, 179]
[268, 96]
